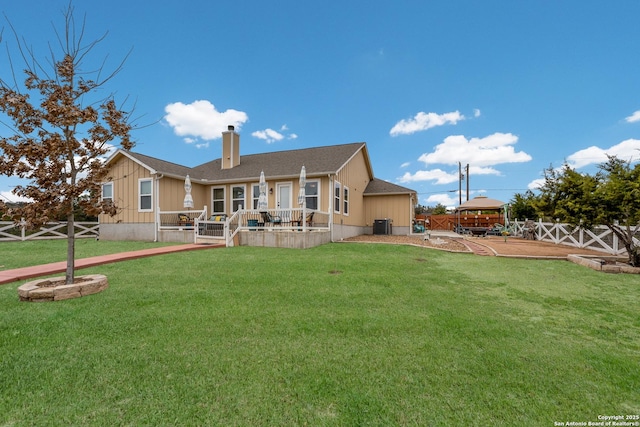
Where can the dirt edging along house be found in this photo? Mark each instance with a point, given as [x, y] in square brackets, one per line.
[342, 197]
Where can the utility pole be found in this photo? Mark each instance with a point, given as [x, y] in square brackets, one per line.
[459, 183]
[467, 175]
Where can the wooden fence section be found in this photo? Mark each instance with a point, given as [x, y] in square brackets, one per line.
[449, 221]
[600, 239]
[52, 230]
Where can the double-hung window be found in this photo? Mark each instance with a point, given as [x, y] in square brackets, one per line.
[312, 195]
[145, 195]
[237, 197]
[107, 192]
[255, 195]
[217, 200]
[345, 200]
[336, 197]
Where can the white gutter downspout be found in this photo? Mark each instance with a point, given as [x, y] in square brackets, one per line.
[156, 217]
[331, 196]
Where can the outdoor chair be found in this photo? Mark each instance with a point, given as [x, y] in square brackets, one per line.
[184, 220]
[308, 219]
[267, 218]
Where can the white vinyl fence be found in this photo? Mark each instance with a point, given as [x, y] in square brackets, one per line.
[599, 239]
[51, 230]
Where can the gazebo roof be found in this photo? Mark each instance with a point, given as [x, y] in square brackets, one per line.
[481, 203]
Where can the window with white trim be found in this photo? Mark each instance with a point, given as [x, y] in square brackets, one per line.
[107, 192]
[312, 195]
[217, 200]
[336, 197]
[255, 195]
[345, 200]
[237, 197]
[145, 195]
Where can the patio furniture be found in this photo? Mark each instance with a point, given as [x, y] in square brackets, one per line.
[267, 218]
[308, 219]
[184, 220]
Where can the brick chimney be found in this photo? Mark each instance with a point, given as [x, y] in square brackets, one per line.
[230, 148]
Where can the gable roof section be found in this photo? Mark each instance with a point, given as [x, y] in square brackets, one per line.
[318, 161]
[153, 164]
[378, 187]
[281, 164]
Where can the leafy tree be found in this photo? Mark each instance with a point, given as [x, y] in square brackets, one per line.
[610, 198]
[439, 209]
[61, 127]
[618, 196]
[523, 205]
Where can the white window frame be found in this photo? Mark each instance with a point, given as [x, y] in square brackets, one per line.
[243, 201]
[345, 200]
[337, 196]
[141, 195]
[105, 185]
[255, 195]
[313, 196]
[213, 200]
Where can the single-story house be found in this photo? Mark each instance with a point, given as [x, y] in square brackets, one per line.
[341, 198]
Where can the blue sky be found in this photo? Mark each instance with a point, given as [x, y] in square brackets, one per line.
[508, 87]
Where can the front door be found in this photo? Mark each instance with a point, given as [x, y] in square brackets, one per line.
[283, 195]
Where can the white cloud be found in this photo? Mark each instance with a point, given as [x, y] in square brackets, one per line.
[423, 121]
[268, 135]
[405, 165]
[200, 119]
[272, 136]
[626, 150]
[481, 154]
[437, 175]
[536, 184]
[635, 117]
[445, 199]
[491, 150]
[476, 113]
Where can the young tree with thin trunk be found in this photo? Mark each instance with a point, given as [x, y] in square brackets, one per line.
[60, 129]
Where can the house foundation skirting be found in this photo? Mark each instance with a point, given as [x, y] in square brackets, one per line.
[283, 239]
[129, 231]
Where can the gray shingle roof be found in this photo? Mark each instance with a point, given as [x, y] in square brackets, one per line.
[317, 161]
[378, 186]
[280, 164]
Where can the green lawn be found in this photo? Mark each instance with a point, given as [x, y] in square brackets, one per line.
[255, 336]
[35, 252]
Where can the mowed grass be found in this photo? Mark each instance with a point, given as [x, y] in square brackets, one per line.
[342, 334]
[35, 252]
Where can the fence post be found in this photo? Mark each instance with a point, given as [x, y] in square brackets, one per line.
[616, 242]
[23, 231]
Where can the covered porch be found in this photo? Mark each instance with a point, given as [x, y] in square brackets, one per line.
[287, 228]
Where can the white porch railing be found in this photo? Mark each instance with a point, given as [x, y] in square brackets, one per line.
[599, 239]
[271, 220]
[9, 231]
[180, 220]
